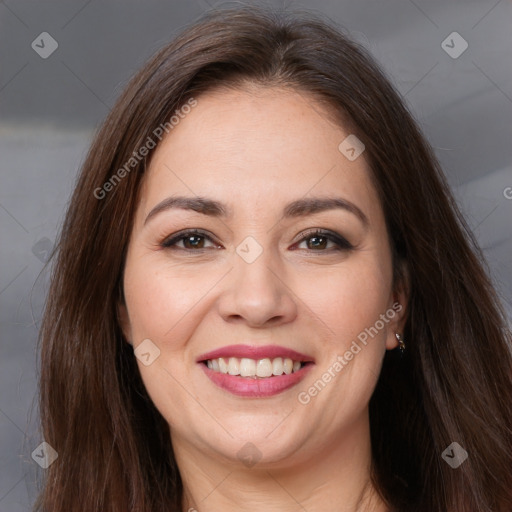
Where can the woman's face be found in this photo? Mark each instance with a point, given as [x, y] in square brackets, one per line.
[256, 283]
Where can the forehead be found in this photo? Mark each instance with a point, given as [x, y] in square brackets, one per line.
[255, 146]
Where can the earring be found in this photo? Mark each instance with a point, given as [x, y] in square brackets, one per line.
[401, 343]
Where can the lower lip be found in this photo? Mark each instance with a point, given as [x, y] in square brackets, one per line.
[248, 387]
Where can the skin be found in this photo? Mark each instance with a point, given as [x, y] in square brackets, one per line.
[256, 149]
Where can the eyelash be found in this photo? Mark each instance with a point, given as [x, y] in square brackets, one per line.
[341, 243]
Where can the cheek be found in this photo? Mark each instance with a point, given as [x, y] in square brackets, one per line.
[351, 297]
[161, 301]
[163, 304]
[350, 301]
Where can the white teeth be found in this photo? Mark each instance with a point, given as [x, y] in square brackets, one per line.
[277, 366]
[247, 367]
[234, 366]
[261, 368]
[223, 366]
[264, 368]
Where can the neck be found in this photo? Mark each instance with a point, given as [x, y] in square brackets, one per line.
[335, 479]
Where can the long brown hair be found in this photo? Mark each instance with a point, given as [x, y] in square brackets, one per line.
[453, 385]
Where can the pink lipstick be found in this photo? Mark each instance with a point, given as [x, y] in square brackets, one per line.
[252, 371]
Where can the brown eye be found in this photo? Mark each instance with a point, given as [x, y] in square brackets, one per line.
[318, 240]
[192, 240]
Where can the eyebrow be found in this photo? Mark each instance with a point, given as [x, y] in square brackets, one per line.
[297, 208]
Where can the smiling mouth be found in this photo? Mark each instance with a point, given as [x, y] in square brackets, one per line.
[255, 368]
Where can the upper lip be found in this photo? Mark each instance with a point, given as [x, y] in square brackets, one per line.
[255, 352]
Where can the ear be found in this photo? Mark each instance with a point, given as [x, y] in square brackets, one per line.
[124, 321]
[398, 308]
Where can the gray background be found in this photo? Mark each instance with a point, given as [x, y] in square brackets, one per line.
[49, 108]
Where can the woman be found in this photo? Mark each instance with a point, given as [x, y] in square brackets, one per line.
[265, 297]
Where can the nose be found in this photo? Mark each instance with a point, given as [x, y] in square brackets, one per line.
[257, 293]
